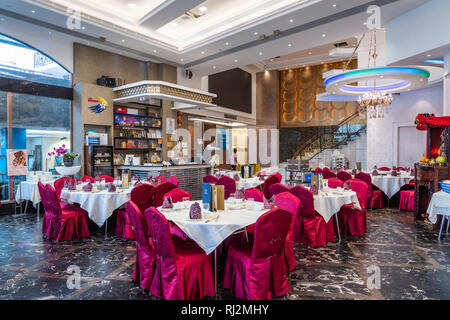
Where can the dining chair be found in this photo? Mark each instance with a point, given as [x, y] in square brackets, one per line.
[177, 195]
[335, 183]
[183, 271]
[267, 183]
[328, 174]
[87, 179]
[59, 186]
[210, 179]
[374, 197]
[344, 176]
[229, 185]
[277, 188]
[160, 179]
[108, 179]
[253, 193]
[351, 220]
[160, 191]
[173, 180]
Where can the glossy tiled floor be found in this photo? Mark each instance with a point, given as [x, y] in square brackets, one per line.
[413, 264]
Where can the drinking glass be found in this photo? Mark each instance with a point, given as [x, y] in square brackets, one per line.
[250, 203]
[185, 202]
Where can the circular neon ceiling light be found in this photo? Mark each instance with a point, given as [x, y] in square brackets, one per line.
[385, 79]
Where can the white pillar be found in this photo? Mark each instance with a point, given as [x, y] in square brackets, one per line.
[446, 109]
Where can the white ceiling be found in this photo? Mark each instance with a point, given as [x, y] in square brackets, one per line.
[227, 36]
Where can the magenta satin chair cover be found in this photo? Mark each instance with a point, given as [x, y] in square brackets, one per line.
[210, 179]
[87, 179]
[325, 169]
[256, 270]
[46, 221]
[142, 196]
[310, 228]
[173, 180]
[287, 201]
[177, 195]
[229, 184]
[328, 174]
[277, 188]
[160, 191]
[350, 220]
[278, 176]
[384, 169]
[161, 179]
[318, 170]
[335, 183]
[406, 200]
[254, 194]
[108, 179]
[63, 225]
[267, 183]
[182, 272]
[59, 186]
[145, 253]
[344, 176]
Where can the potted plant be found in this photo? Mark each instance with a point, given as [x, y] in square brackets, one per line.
[62, 152]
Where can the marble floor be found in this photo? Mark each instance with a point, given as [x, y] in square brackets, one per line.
[407, 256]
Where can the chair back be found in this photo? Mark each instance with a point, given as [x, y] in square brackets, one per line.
[306, 201]
[271, 230]
[328, 174]
[139, 226]
[384, 169]
[52, 204]
[210, 179]
[267, 183]
[59, 185]
[335, 183]
[278, 176]
[41, 189]
[290, 203]
[142, 196]
[367, 179]
[344, 176]
[108, 179]
[254, 194]
[173, 180]
[318, 170]
[325, 170]
[87, 179]
[277, 188]
[160, 191]
[360, 187]
[229, 184]
[161, 179]
[177, 195]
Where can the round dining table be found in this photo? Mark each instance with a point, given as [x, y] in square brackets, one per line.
[248, 183]
[391, 185]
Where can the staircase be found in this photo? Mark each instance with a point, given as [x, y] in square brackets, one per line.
[337, 138]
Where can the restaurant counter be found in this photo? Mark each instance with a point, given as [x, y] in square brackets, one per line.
[190, 176]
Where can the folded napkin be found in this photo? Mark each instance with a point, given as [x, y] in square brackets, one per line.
[66, 184]
[375, 172]
[137, 183]
[71, 186]
[375, 167]
[112, 187]
[97, 179]
[236, 177]
[354, 171]
[268, 204]
[167, 203]
[314, 189]
[346, 186]
[87, 187]
[195, 212]
[239, 194]
[262, 177]
[394, 173]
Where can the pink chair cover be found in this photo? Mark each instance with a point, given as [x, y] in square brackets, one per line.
[87, 179]
[161, 179]
[59, 186]
[160, 191]
[229, 184]
[344, 176]
[62, 225]
[328, 174]
[142, 196]
[335, 183]
[278, 176]
[384, 169]
[406, 200]
[108, 179]
[290, 203]
[318, 170]
[325, 170]
[145, 253]
[310, 227]
[277, 188]
[210, 179]
[173, 180]
[256, 270]
[177, 195]
[374, 197]
[254, 194]
[183, 271]
[351, 220]
[267, 183]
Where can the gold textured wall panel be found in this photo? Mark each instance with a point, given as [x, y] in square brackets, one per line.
[297, 94]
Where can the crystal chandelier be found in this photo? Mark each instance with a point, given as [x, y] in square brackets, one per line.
[373, 104]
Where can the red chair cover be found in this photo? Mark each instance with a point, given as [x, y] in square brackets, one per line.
[87, 179]
[159, 193]
[267, 183]
[183, 271]
[177, 195]
[350, 220]
[406, 200]
[290, 203]
[318, 170]
[59, 186]
[344, 176]
[384, 169]
[374, 197]
[325, 170]
[161, 179]
[142, 196]
[229, 184]
[210, 179]
[328, 174]
[310, 227]
[62, 225]
[335, 183]
[145, 254]
[277, 188]
[278, 176]
[254, 194]
[173, 180]
[256, 270]
[108, 179]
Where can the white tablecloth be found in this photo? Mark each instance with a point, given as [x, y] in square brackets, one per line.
[101, 205]
[28, 190]
[210, 235]
[439, 204]
[390, 185]
[248, 183]
[330, 203]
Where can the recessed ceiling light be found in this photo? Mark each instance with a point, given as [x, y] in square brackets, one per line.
[174, 24]
[310, 52]
[154, 51]
[235, 60]
[324, 35]
[32, 11]
[214, 67]
[365, 23]
[123, 40]
[292, 20]
[83, 28]
[203, 52]
[132, 5]
[428, 55]
[226, 43]
[203, 9]
[260, 53]
[256, 33]
[334, 5]
[181, 59]
[290, 45]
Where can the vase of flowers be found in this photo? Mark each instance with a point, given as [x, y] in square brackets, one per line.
[67, 157]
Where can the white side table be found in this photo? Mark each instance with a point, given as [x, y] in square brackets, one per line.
[68, 171]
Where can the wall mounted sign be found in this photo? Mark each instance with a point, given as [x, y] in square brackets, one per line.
[100, 106]
[17, 162]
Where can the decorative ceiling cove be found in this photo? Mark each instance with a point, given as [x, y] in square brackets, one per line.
[298, 91]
